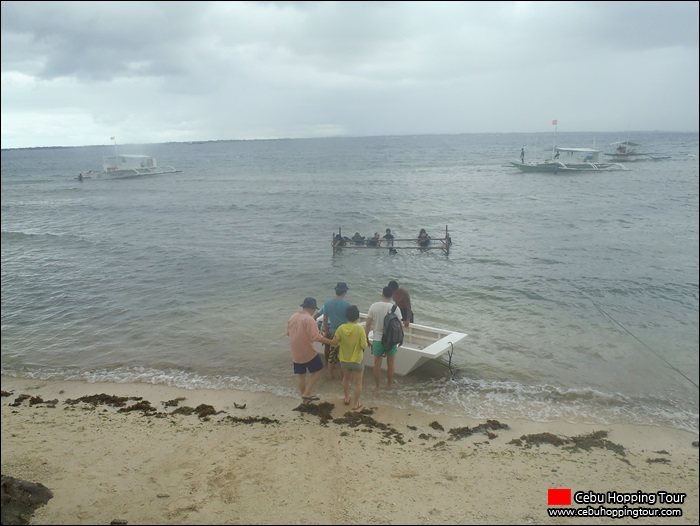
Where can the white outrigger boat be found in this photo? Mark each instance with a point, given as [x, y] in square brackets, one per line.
[421, 344]
[590, 160]
[575, 160]
[120, 166]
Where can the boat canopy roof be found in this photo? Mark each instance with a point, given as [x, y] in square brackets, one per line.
[624, 143]
[128, 156]
[577, 150]
[128, 162]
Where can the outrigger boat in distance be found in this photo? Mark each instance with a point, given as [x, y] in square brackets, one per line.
[421, 344]
[573, 160]
[626, 151]
[121, 166]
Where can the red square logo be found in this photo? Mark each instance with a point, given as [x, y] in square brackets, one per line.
[559, 497]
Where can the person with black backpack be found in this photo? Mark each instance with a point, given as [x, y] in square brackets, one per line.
[379, 317]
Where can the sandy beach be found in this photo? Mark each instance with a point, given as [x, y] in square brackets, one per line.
[151, 454]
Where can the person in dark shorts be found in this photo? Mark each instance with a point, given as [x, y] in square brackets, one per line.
[303, 333]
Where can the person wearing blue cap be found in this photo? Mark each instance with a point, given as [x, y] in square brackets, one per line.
[334, 311]
[303, 333]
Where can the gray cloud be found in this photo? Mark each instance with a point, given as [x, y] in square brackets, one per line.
[79, 72]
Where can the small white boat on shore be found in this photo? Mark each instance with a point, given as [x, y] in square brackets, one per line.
[421, 345]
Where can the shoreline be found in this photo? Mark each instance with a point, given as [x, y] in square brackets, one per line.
[253, 457]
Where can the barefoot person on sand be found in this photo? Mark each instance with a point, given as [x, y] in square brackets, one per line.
[375, 322]
[303, 333]
[351, 340]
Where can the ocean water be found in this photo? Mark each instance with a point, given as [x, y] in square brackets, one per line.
[578, 292]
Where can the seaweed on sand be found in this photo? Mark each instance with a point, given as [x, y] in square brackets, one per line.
[596, 439]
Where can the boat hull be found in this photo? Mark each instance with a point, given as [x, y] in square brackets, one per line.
[553, 167]
[421, 345]
[560, 167]
[123, 174]
[623, 158]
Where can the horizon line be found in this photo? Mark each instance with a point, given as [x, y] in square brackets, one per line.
[627, 132]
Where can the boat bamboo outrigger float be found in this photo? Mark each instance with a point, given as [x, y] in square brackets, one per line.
[339, 242]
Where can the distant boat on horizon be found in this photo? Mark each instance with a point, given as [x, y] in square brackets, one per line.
[626, 152]
[120, 166]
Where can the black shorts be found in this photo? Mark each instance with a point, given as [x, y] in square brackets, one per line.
[313, 365]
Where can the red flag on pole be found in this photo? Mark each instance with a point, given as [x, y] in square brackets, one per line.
[554, 122]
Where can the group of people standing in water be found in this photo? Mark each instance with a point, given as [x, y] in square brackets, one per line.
[345, 340]
[386, 240]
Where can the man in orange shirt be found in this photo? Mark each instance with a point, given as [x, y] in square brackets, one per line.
[303, 333]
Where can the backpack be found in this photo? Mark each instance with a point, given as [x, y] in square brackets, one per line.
[393, 330]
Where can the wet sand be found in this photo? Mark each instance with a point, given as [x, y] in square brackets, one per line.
[151, 454]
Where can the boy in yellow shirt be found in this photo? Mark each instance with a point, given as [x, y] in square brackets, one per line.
[352, 340]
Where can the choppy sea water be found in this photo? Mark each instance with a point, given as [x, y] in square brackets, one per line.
[579, 292]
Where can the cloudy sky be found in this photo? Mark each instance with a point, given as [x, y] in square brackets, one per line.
[78, 73]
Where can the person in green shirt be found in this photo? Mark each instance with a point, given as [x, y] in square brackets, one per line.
[352, 341]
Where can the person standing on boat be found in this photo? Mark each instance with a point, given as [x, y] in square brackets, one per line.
[352, 341]
[522, 155]
[303, 333]
[375, 323]
[333, 317]
[403, 301]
